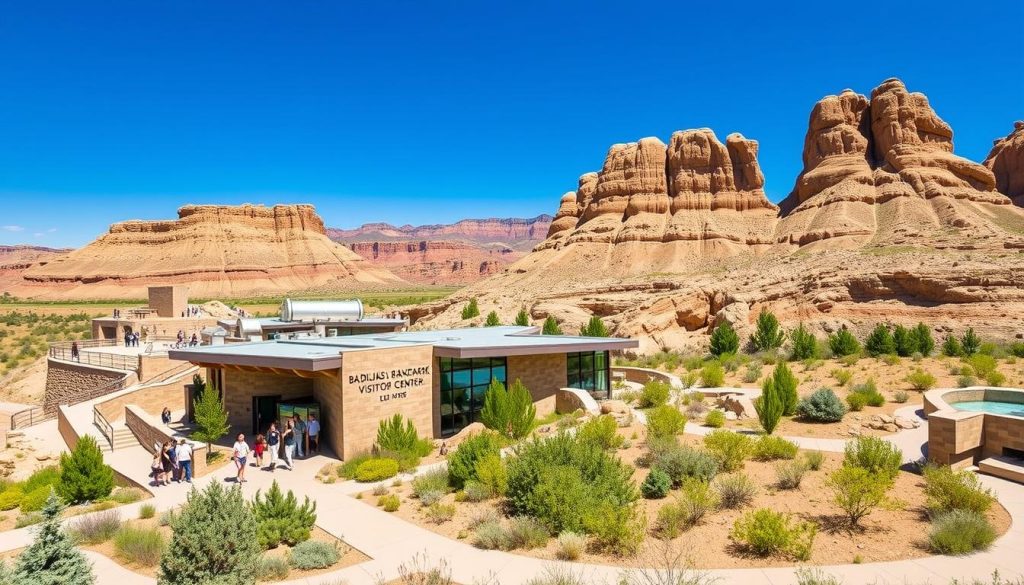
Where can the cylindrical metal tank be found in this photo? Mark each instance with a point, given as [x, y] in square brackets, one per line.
[247, 327]
[296, 310]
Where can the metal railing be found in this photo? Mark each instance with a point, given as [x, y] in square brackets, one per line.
[85, 343]
[104, 426]
[28, 417]
[94, 358]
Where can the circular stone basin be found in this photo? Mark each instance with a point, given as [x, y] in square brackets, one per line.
[991, 407]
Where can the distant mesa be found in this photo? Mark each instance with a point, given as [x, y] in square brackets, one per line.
[1006, 161]
[218, 250]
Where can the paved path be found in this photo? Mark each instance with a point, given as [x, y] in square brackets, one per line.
[390, 541]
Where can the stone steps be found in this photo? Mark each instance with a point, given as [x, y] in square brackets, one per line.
[1004, 467]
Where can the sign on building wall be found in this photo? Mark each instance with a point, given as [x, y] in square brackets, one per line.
[390, 384]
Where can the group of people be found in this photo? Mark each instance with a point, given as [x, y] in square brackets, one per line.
[131, 339]
[172, 462]
[191, 311]
[194, 341]
[296, 438]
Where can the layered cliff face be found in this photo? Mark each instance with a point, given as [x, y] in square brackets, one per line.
[882, 169]
[884, 224]
[517, 233]
[217, 250]
[1006, 161]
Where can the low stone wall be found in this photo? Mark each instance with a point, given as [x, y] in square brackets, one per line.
[570, 400]
[150, 431]
[643, 375]
[71, 383]
[960, 438]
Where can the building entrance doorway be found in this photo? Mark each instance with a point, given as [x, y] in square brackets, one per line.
[264, 412]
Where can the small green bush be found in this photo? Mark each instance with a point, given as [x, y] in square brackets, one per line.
[435, 480]
[398, 435]
[766, 532]
[618, 530]
[712, 375]
[526, 533]
[715, 419]
[949, 490]
[280, 518]
[880, 342]
[665, 421]
[147, 511]
[877, 456]
[966, 381]
[654, 393]
[767, 334]
[856, 401]
[35, 500]
[462, 463]
[970, 343]
[10, 498]
[389, 503]
[139, 546]
[694, 502]
[472, 309]
[921, 380]
[28, 519]
[734, 490]
[376, 469]
[870, 392]
[995, 378]
[680, 462]
[814, 459]
[960, 532]
[128, 495]
[656, 485]
[843, 343]
[789, 474]
[804, 345]
[97, 528]
[842, 376]
[729, 448]
[770, 448]
[475, 491]
[313, 554]
[822, 406]
[857, 491]
[951, 347]
[753, 373]
[84, 477]
[602, 431]
[439, 513]
[491, 535]
[272, 568]
[45, 477]
[510, 412]
[900, 397]
[351, 464]
[724, 340]
[571, 546]
[492, 474]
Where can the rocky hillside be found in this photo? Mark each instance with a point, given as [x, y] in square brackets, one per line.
[14, 260]
[1006, 161]
[459, 253]
[219, 251]
[884, 223]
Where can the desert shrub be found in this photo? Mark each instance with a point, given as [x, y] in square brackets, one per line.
[890, 359]
[166, 517]
[843, 343]
[814, 459]
[526, 533]
[724, 340]
[439, 513]
[822, 406]
[857, 491]
[966, 381]
[995, 378]
[618, 530]
[560, 480]
[272, 568]
[921, 337]
[869, 390]
[815, 576]
[789, 474]
[694, 502]
[712, 375]
[734, 490]
[45, 477]
[695, 410]
[804, 344]
[1017, 349]
[656, 485]
[904, 342]
[960, 532]
[491, 535]
[920, 380]
[879, 341]
[471, 309]
[147, 511]
[951, 347]
[551, 326]
[982, 364]
[376, 469]
[492, 319]
[654, 393]
[398, 435]
[28, 519]
[571, 546]
[463, 461]
[767, 334]
[715, 419]
[84, 477]
[665, 421]
[492, 474]
[280, 518]
[389, 503]
[753, 373]
[213, 536]
[877, 456]
[856, 401]
[435, 480]
[10, 498]
[970, 343]
[351, 464]
[474, 491]
[900, 397]
[602, 431]
[509, 412]
[766, 532]
[52, 557]
[314, 554]
[96, 528]
[770, 448]
[729, 449]
[139, 546]
[947, 490]
[842, 376]
[680, 462]
[34, 500]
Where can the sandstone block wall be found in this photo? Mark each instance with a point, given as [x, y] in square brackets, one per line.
[241, 386]
[543, 375]
[154, 365]
[168, 301]
[152, 400]
[68, 383]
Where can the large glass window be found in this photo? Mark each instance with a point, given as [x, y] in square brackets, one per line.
[464, 383]
[589, 371]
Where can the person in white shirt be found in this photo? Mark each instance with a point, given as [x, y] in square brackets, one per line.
[313, 432]
[239, 455]
[184, 455]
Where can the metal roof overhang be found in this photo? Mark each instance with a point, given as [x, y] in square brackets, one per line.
[317, 364]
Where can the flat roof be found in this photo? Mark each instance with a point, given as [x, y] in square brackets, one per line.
[325, 353]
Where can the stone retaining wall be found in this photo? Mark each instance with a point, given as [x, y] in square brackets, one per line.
[150, 431]
[152, 399]
[70, 383]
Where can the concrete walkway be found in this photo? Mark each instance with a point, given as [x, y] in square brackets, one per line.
[390, 541]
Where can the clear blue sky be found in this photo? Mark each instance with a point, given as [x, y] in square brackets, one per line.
[426, 112]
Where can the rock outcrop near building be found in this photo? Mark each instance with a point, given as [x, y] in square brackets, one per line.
[218, 251]
[884, 224]
[1006, 161]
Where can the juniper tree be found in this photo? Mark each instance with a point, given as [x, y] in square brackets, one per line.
[804, 344]
[769, 406]
[471, 309]
[84, 476]
[724, 340]
[843, 342]
[880, 341]
[52, 558]
[768, 334]
[510, 412]
[594, 328]
[211, 418]
[492, 320]
[970, 342]
[280, 518]
[551, 326]
[922, 337]
[522, 318]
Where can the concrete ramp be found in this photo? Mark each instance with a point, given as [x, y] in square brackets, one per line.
[571, 399]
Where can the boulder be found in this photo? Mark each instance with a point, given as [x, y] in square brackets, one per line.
[614, 407]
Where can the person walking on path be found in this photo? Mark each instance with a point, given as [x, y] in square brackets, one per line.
[273, 444]
[288, 437]
[166, 464]
[156, 468]
[258, 447]
[313, 432]
[74, 351]
[175, 468]
[300, 435]
[239, 455]
[184, 453]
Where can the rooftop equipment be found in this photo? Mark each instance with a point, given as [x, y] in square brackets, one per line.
[295, 310]
[249, 327]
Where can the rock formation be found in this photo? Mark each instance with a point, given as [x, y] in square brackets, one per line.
[1006, 161]
[219, 251]
[515, 232]
[15, 260]
[883, 169]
